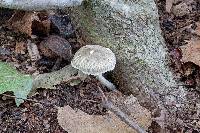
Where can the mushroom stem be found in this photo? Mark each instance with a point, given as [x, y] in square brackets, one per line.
[105, 82]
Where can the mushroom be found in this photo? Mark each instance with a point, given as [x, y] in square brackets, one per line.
[95, 60]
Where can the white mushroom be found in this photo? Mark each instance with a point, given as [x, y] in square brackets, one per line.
[95, 60]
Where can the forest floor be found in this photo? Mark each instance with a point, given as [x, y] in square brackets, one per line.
[180, 26]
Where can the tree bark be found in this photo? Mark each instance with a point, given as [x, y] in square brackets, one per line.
[131, 29]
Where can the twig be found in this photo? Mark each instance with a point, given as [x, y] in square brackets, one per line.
[124, 117]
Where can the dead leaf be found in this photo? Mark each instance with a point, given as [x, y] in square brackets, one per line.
[33, 51]
[181, 9]
[22, 21]
[191, 52]
[41, 28]
[20, 47]
[131, 105]
[79, 122]
[30, 22]
[168, 5]
[110, 123]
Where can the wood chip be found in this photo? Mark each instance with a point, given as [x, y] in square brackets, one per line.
[33, 51]
[168, 5]
[20, 47]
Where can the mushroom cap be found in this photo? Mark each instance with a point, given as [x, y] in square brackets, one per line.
[94, 60]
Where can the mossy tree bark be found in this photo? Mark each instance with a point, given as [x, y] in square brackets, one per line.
[131, 29]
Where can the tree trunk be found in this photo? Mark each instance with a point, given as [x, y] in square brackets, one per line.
[132, 31]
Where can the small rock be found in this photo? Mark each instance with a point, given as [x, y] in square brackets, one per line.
[168, 24]
[33, 51]
[55, 46]
[62, 25]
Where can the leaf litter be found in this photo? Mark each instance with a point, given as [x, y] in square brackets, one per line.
[180, 28]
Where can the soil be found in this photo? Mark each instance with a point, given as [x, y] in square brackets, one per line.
[38, 112]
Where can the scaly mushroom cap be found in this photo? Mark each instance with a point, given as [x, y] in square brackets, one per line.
[94, 60]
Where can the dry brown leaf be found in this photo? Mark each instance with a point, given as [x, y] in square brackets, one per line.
[181, 9]
[41, 28]
[79, 122]
[29, 22]
[22, 21]
[191, 51]
[131, 105]
[110, 123]
[168, 5]
[20, 47]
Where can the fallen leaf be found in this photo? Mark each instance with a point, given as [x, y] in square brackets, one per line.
[41, 28]
[79, 122]
[191, 51]
[132, 106]
[109, 123]
[20, 47]
[12, 80]
[30, 23]
[22, 21]
[181, 9]
[61, 24]
[168, 5]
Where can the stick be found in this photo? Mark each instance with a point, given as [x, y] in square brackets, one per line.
[124, 117]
